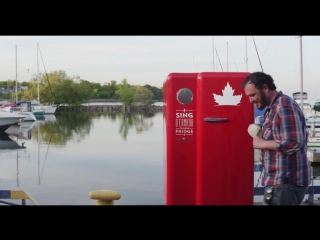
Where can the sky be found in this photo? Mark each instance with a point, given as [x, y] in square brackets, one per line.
[150, 59]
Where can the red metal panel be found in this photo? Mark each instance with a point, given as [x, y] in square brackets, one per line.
[179, 115]
[224, 152]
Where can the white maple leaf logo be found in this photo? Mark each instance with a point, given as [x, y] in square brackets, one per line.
[227, 97]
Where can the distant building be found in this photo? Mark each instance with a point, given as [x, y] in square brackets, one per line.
[10, 89]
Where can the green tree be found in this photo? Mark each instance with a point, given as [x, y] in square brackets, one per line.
[103, 94]
[26, 95]
[157, 92]
[11, 82]
[111, 88]
[96, 88]
[143, 95]
[24, 83]
[125, 92]
[57, 87]
[85, 90]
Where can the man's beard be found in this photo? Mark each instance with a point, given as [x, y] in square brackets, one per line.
[263, 100]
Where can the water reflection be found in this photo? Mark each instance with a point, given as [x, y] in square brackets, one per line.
[7, 143]
[75, 126]
[141, 122]
[21, 130]
[12, 149]
[73, 153]
[58, 129]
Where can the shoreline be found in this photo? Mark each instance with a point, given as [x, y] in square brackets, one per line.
[110, 108]
[107, 100]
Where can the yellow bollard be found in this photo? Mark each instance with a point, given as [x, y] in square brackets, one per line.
[105, 197]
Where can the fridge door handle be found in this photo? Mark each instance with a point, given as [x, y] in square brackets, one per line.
[215, 119]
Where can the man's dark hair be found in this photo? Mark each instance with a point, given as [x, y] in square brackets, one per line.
[258, 79]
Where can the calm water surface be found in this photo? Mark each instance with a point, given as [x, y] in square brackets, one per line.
[69, 154]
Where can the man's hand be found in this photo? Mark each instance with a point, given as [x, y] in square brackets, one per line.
[258, 143]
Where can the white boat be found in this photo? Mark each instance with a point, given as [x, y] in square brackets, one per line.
[36, 112]
[8, 118]
[12, 107]
[307, 108]
[48, 109]
[29, 116]
[24, 107]
[310, 115]
[314, 142]
[313, 120]
[18, 110]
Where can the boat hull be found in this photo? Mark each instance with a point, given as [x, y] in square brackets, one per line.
[316, 108]
[46, 109]
[38, 112]
[22, 110]
[29, 116]
[7, 119]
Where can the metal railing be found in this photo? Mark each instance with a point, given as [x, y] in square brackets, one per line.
[16, 194]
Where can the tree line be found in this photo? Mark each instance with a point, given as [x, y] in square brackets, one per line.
[58, 88]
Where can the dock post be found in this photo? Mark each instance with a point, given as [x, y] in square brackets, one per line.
[105, 197]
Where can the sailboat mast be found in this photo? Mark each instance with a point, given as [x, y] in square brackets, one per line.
[212, 53]
[216, 60]
[301, 73]
[193, 64]
[39, 153]
[16, 77]
[227, 58]
[38, 74]
[17, 169]
[246, 59]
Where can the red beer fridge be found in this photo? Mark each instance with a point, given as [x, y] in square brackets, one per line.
[179, 111]
[224, 152]
[209, 158]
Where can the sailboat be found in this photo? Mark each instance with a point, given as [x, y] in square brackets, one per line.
[20, 107]
[39, 108]
[39, 113]
[302, 99]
